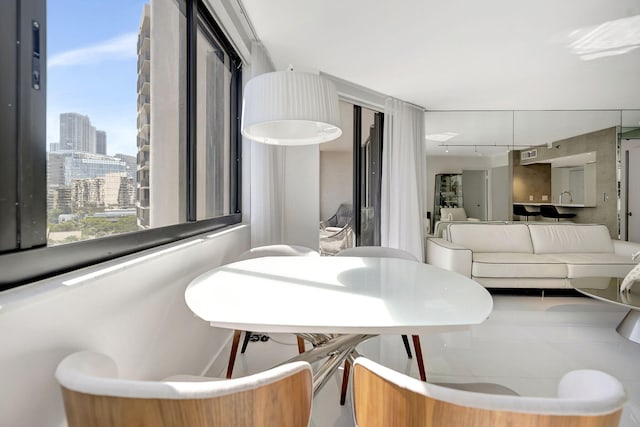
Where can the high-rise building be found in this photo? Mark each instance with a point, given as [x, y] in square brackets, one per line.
[109, 191]
[132, 165]
[78, 177]
[77, 133]
[76, 180]
[101, 142]
[144, 116]
[65, 166]
[59, 199]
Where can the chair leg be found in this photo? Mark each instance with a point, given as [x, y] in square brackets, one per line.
[345, 382]
[234, 351]
[301, 348]
[418, 348]
[247, 336]
[407, 347]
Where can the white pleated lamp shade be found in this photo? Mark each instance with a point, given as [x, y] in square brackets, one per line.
[290, 108]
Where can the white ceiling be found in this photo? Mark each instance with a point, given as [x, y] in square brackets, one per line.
[468, 55]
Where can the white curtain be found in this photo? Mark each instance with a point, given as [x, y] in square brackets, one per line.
[403, 178]
[267, 174]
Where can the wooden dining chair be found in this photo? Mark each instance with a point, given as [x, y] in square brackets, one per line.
[383, 252]
[94, 396]
[257, 252]
[384, 397]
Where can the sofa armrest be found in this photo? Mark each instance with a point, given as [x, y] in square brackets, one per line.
[449, 256]
[622, 247]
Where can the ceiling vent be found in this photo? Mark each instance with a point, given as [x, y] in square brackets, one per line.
[528, 154]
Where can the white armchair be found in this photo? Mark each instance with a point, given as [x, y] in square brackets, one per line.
[336, 233]
[383, 397]
[455, 214]
[95, 395]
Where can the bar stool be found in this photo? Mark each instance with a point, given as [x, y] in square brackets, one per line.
[550, 211]
[521, 210]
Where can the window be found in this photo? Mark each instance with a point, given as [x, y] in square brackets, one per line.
[142, 131]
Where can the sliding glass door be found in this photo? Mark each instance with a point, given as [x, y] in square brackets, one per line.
[367, 166]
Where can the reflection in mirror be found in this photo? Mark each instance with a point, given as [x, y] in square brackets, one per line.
[630, 173]
[494, 140]
[534, 181]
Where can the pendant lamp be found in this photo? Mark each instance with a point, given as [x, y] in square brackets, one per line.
[290, 108]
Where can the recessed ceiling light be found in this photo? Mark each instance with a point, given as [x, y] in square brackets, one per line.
[441, 137]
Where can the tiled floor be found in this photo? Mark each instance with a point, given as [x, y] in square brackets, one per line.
[527, 344]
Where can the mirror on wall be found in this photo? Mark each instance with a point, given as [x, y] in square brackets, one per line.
[562, 140]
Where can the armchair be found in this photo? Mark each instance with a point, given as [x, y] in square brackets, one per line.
[383, 397]
[455, 214]
[336, 232]
[95, 395]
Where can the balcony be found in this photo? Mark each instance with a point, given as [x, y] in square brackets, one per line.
[143, 62]
[142, 157]
[143, 119]
[143, 216]
[143, 101]
[143, 84]
[144, 66]
[144, 41]
[143, 138]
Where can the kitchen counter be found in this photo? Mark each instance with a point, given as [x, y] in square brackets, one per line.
[560, 205]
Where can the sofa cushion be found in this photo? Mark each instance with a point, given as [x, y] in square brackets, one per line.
[491, 237]
[595, 264]
[511, 264]
[570, 238]
[453, 214]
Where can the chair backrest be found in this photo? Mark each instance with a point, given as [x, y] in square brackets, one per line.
[521, 210]
[453, 214]
[377, 251]
[94, 396]
[342, 217]
[549, 211]
[344, 214]
[383, 397]
[277, 250]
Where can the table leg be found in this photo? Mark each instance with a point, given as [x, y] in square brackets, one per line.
[234, 351]
[351, 358]
[333, 362]
[335, 348]
[405, 341]
[418, 349]
[630, 326]
[345, 382]
[324, 348]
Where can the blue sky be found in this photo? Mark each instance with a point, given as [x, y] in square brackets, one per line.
[92, 67]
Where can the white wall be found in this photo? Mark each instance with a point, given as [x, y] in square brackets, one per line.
[499, 193]
[167, 152]
[336, 166]
[302, 196]
[336, 181]
[135, 313]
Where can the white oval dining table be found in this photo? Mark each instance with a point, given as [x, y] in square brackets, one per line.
[336, 302]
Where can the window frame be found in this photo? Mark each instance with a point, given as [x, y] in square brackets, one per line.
[30, 259]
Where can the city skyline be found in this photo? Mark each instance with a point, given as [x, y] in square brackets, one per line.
[92, 68]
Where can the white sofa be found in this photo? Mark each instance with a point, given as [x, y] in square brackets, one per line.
[538, 256]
